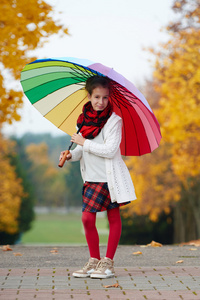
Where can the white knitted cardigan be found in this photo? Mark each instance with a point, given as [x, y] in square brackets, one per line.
[119, 181]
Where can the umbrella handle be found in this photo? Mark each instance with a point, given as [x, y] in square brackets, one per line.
[64, 158]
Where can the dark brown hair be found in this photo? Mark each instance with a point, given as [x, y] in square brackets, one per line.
[95, 81]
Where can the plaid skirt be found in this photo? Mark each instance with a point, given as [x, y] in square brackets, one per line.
[96, 197]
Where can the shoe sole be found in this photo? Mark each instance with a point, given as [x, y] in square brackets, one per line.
[80, 275]
[101, 276]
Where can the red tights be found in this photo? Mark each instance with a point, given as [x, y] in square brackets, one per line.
[92, 236]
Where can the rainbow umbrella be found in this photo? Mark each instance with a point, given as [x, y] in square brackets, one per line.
[56, 88]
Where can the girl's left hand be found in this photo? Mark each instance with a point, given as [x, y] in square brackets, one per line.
[78, 139]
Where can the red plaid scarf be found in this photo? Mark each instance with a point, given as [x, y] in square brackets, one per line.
[93, 120]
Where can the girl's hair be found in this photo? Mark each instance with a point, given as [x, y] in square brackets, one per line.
[95, 81]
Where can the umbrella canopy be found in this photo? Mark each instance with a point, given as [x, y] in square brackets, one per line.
[56, 88]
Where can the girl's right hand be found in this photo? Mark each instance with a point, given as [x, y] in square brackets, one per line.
[61, 155]
[69, 156]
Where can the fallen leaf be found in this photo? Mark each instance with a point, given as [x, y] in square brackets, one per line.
[193, 249]
[113, 285]
[154, 244]
[54, 251]
[179, 261]
[170, 249]
[136, 253]
[195, 243]
[143, 246]
[17, 254]
[6, 248]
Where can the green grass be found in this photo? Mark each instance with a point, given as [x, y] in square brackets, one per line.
[66, 229]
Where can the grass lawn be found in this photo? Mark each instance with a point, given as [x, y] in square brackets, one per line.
[65, 229]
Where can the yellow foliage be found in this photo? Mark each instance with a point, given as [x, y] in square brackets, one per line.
[38, 154]
[159, 177]
[157, 187]
[45, 176]
[25, 25]
[11, 191]
[179, 112]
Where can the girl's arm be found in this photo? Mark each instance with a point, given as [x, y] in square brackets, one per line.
[73, 155]
[76, 153]
[110, 146]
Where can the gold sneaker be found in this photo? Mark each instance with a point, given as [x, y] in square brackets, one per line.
[104, 269]
[89, 267]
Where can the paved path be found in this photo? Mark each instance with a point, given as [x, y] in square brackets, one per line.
[45, 273]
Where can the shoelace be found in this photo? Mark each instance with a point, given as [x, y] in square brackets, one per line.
[88, 264]
[101, 265]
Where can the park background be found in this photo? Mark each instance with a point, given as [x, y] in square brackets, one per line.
[155, 44]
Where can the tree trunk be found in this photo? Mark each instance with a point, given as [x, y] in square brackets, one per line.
[187, 214]
[179, 227]
[195, 207]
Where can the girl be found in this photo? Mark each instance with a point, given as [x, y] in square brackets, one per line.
[107, 182]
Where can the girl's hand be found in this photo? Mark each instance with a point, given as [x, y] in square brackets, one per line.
[61, 155]
[78, 139]
[69, 156]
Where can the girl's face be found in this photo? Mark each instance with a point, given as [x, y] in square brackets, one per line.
[99, 98]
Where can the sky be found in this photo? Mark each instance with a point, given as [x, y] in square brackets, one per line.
[112, 32]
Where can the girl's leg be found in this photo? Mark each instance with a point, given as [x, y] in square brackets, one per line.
[115, 226]
[91, 233]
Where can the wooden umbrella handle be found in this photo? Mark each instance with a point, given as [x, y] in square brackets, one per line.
[64, 158]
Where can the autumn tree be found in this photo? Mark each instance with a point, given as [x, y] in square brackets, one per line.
[25, 25]
[19, 161]
[47, 180]
[177, 78]
[11, 192]
[67, 182]
[74, 184]
[169, 178]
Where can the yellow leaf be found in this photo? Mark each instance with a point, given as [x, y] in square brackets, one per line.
[113, 285]
[6, 248]
[54, 251]
[17, 254]
[179, 261]
[154, 244]
[137, 253]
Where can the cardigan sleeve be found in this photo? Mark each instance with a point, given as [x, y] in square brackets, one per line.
[76, 153]
[111, 143]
